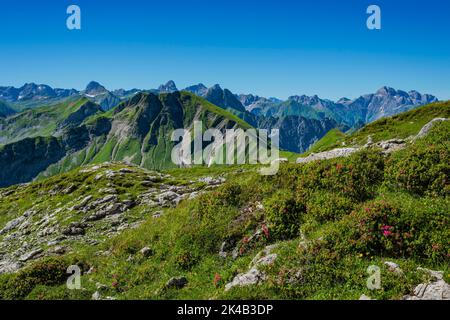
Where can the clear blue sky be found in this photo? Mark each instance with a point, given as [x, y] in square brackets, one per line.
[267, 47]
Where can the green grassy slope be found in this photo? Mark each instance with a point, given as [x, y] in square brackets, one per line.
[5, 110]
[141, 130]
[331, 138]
[42, 121]
[400, 126]
[330, 221]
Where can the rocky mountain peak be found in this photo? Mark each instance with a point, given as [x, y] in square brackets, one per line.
[344, 100]
[168, 87]
[386, 91]
[215, 87]
[32, 90]
[198, 89]
[94, 88]
[223, 98]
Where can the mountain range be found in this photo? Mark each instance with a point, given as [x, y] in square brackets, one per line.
[367, 108]
[301, 119]
[49, 140]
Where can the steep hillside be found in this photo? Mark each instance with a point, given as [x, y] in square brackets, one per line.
[46, 121]
[297, 133]
[137, 131]
[309, 232]
[400, 126]
[5, 110]
[331, 138]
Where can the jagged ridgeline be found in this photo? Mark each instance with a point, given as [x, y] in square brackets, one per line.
[45, 141]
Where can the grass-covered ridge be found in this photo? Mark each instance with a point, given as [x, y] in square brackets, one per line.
[329, 220]
[331, 138]
[136, 131]
[401, 126]
[45, 121]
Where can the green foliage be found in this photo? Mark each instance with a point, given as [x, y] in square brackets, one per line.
[41, 292]
[230, 194]
[424, 167]
[352, 213]
[186, 260]
[393, 227]
[48, 272]
[284, 215]
[356, 177]
[43, 121]
[403, 125]
[328, 206]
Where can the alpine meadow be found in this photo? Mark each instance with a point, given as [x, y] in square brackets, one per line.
[318, 169]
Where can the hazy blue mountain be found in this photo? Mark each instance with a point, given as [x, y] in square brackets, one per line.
[124, 94]
[31, 95]
[302, 119]
[100, 95]
[364, 109]
[94, 89]
[169, 87]
[198, 89]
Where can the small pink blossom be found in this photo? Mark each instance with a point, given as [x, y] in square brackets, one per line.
[387, 233]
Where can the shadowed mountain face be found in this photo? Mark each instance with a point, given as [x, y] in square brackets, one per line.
[138, 131]
[5, 110]
[306, 131]
[223, 98]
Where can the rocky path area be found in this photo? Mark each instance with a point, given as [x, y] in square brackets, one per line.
[65, 217]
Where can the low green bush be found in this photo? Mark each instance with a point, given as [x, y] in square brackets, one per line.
[328, 206]
[283, 214]
[397, 226]
[423, 168]
[48, 272]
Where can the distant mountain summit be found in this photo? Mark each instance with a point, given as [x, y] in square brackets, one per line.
[388, 101]
[169, 87]
[31, 94]
[100, 95]
[223, 98]
[198, 89]
[94, 89]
